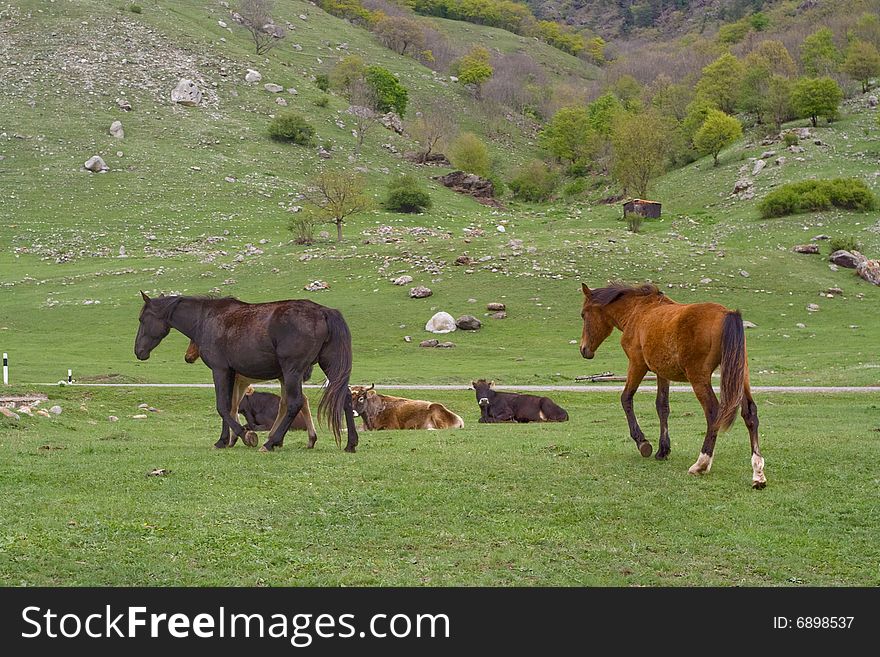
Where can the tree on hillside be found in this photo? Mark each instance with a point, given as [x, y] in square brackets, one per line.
[815, 97]
[433, 127]
[628, 90]
[256, 16]
[389, 93]
[867, 28]
[862, 62]
[565, 136]
[401, 34]
[718, 131]
[336, 195]
[670, 98]
[755, 84]
[469, 153]
[720, 83]
[346, 72]
[474, 68]
[363, 110]
[777, 55]
[777, 102]
[819, 55]
[602, 112]
[594, 51]
[640, 143]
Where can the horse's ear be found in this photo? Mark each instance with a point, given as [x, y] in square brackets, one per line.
[587, 292]
[144, 295]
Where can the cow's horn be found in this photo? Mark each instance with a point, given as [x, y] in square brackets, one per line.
[371, 387]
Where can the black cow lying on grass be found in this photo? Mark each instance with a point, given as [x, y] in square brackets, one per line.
[260, 409]
[513, 407]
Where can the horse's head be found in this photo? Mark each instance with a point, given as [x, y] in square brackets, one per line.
[485, 391]
[597, 326]
[154, 326]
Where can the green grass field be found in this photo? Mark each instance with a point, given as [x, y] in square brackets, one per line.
[565, 504]
[552, 504]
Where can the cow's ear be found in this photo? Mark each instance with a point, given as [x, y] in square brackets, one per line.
[473, 385]
[145, 297]
[587, 292]
[492, 385]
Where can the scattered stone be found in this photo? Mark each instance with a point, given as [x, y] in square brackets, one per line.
[818, 142]
[748, 324]
[141, 416]
[406, 279]
[123, 104]
[315, 286]
[292, 91]
[116, 130]
[741, 185]
[846, 259]
[96, 164]
[495, 306]
[806, 248]
[429, 343]
[463, 260]
[186, 93]
[801, 325]
[813, 307]
[500, 229]
[766, 155]
[221, 24]
[253, 76]
[759, 165]
[113, 418]
[55, 410]
[794, 148]
[870, 271]
[446, 345]
[744, 273]
[407, 338]
[8, 413]
[705, 281]
[820, 238]
[441, 322]
[273, 88]
[499, 315]
[833, 291]
[872, 101]
[281, 101]
[25, 410]
[158, 472]
[392, 122]
[468, 323]
[779, 161]
[229, 179]
[420, 292]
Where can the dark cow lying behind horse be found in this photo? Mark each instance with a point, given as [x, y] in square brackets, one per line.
[387, 412]
[678, 342]
[260, 341]
[242, 400]
[513, 407]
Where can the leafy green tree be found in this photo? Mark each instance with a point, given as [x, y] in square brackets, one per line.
[759, 21]
[346, 72]
[602, 112]
[777, 102]
[390, 94]
[628, 90]
[777, 55]
[720, 82]
[640, 145]
[474, 68]
[862, 62]
[469, 153]
[755, 84]
[815, 97]
[718, 131]
[867, 28]
[595, 50]
[819, 55]
[565, 136]
[669, 98]
[734, 32]
[336, 195]
[560, 36]
[403, 35]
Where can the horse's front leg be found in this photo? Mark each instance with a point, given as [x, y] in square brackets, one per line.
[663, 414]
[292, 396]
[703, 390]
[224, 383]
[634, 376]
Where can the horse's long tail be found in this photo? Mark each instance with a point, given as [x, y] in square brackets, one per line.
[733, 369]
[335, 360]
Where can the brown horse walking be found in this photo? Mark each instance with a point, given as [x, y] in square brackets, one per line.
[678, 342]
[260, 341]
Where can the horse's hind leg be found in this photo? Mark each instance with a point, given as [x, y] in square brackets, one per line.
[307, 416]
[709, 402]
[634, 376]
[750, 415]
[663, 414]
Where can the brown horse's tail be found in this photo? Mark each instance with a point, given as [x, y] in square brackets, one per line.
[733, 369]
[335, 360]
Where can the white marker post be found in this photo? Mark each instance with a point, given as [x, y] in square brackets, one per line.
[5, 369]
[70, 376]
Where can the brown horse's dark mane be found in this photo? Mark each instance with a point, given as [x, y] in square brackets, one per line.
[604, 295]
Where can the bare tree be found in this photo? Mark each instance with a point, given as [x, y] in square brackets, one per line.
[336, 195]
[256, 17]
[434, 127]
[400, 34]
[363, 109]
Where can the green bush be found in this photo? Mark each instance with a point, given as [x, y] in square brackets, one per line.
[533, 182]
[405, 194]
[576, 187]
[848, 243]
[291, 126]
[390, 94]
[322, 81]
[323, 101]
[135, 9]
[790, 139]
[813, 195]
[470, 154]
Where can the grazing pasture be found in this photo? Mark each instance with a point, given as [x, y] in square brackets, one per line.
[540, 504]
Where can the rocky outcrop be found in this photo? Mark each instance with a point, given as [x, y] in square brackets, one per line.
[186, 93]
[478, 188]
[870, 271]
[846, 259]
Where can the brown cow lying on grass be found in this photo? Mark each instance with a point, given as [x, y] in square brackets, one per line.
[262, 410]
[513, 407]
[387, 412]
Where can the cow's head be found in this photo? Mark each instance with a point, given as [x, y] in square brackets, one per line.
[192, 352]
[249, 391]
[363, 398]
[485, 391]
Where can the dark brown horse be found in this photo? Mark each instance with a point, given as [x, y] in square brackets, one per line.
[678, 342]
[261, 341]
[239, 404]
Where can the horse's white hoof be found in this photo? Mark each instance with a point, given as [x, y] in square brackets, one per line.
[703, 465]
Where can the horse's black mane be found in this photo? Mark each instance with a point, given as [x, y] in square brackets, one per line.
[167, 304]
[604, 295]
